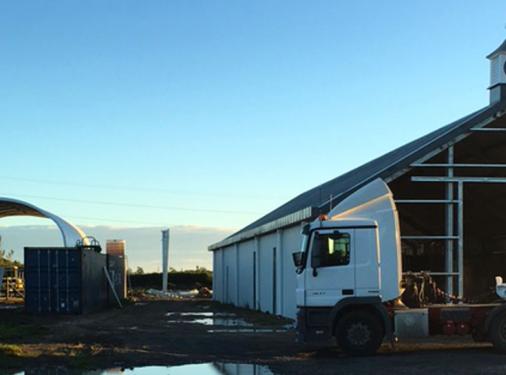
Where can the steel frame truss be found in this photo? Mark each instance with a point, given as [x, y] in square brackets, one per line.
[454, 211]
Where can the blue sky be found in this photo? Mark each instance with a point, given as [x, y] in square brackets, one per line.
[211, 113]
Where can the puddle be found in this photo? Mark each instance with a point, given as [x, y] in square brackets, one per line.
[217, 368]
[207, 318]
[199, 313]
[214, 322]
[173, 294]
[225, 322]
[250, 330]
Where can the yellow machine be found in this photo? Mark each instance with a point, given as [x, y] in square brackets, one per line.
[12, 285]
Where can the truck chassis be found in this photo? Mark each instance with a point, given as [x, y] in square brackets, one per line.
[360, 326]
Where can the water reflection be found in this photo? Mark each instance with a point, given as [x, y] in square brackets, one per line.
[207, 318]
[208, 314]
[200, 369]
[214, 322]
[250, 330]
[226, 322]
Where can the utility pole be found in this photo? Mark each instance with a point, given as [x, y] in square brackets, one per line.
[165, 258]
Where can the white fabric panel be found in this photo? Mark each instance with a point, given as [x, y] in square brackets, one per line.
[14, 207]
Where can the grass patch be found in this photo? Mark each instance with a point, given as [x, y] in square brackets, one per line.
[11, 350]
[81, 356]
[19, 331]
[79, 360]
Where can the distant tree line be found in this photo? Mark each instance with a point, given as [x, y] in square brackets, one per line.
[187, 279]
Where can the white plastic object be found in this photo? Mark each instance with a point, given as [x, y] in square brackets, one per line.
[500, 287]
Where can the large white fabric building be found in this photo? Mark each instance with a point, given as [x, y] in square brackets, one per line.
[70, 233]
[450, 189]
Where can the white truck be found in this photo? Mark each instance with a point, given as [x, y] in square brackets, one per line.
[349, 274]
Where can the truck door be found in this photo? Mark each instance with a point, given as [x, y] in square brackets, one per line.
[330, 273]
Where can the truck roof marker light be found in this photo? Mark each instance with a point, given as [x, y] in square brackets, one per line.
[323, 217]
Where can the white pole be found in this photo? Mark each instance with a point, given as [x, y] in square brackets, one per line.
[165, 258]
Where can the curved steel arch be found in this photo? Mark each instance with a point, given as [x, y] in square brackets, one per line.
[14, 207]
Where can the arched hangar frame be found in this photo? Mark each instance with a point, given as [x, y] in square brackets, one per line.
[14, 207]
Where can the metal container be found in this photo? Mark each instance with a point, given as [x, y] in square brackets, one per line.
[64, 280]
[411, 323]
[116, 247]
[117, 266]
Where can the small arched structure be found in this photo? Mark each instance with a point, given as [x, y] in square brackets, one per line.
[14, 207]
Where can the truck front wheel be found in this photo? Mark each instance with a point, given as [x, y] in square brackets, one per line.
[498, 332]
[359, 333]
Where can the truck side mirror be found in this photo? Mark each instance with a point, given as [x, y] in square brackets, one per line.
[306, 229]
[298, 258]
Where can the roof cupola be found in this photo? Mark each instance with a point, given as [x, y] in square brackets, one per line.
[498, 74]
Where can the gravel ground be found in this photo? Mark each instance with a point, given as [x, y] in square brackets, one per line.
[142, 334]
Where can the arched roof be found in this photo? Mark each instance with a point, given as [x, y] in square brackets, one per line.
[14, 207]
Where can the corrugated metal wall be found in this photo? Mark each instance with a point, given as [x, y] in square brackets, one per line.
[247, 291]
[259, 273]
[291, 240]
[64, 280]
[230, 275]
[218, 275]
[95, 287]
[266, 272]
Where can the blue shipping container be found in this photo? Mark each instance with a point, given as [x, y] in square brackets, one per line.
[64, 280]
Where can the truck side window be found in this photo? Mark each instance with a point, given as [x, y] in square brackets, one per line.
[333, 249]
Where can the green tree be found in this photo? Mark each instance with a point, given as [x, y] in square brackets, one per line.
[6, 257]
[139, 271]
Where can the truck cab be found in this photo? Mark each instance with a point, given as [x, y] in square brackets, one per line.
[336, 269]
[349, 274]
[350, 260]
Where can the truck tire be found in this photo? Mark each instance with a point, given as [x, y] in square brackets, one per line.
[498, 332]
[359, 333]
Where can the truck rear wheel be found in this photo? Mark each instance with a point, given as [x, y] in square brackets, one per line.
[498, 332]
[359, 333]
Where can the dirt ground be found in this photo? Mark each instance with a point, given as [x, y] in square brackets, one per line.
[141, 334]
